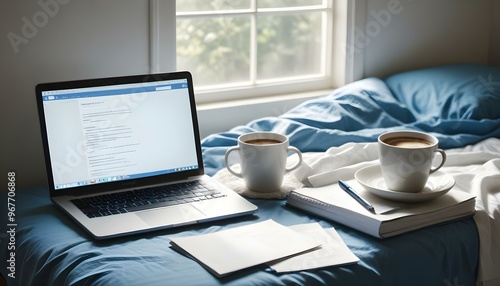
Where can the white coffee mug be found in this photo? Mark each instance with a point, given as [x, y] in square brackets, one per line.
[263, 158]
[406, 159]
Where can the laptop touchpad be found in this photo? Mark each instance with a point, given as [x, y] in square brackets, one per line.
[174, 215]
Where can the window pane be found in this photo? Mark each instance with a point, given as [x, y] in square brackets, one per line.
[287, 3]
[212, 5]
[215, 50]
[289, 45]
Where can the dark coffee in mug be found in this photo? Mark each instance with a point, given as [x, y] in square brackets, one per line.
[407, 142]
[263, 141]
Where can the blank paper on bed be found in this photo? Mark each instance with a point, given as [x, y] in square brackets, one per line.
[234, 249]
[333, 251]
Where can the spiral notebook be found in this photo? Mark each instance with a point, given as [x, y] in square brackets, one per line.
[390, 219]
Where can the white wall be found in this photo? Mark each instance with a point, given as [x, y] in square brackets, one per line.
[495, 35]
[397, 35]
[63, 40]
[93, 38]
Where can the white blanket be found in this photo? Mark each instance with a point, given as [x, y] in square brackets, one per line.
[476, 170]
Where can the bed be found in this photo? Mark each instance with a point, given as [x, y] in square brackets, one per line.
[459, 104]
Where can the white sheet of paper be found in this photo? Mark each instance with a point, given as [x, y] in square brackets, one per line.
[234, 249]
[333, 251]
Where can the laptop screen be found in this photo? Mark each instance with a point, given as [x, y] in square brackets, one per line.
[115, 132]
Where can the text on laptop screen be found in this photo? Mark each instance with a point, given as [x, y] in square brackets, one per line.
[109, 133]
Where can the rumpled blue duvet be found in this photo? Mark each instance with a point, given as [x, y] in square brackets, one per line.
[458, 104]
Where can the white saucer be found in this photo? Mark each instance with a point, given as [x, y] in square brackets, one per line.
[371, 179]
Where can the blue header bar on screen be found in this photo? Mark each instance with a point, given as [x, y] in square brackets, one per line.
[113, 90]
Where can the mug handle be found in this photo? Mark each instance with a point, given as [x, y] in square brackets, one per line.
[291, 148]
[234, 148]
[443, 154]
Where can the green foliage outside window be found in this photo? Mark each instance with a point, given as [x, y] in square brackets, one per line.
[217, 48]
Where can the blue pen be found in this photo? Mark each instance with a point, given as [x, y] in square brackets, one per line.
[355, 195]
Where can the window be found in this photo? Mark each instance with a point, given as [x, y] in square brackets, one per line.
[248, 48]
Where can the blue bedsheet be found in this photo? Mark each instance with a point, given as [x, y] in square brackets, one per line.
[52, 250]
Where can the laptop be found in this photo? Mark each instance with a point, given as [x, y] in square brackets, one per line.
[123, 155]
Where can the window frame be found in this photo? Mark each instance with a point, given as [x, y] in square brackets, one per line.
[334, 67]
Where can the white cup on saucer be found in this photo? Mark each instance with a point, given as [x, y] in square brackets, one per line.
[406, 159]
[263, 158]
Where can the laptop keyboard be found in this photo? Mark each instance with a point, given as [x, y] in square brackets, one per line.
[148, 198]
